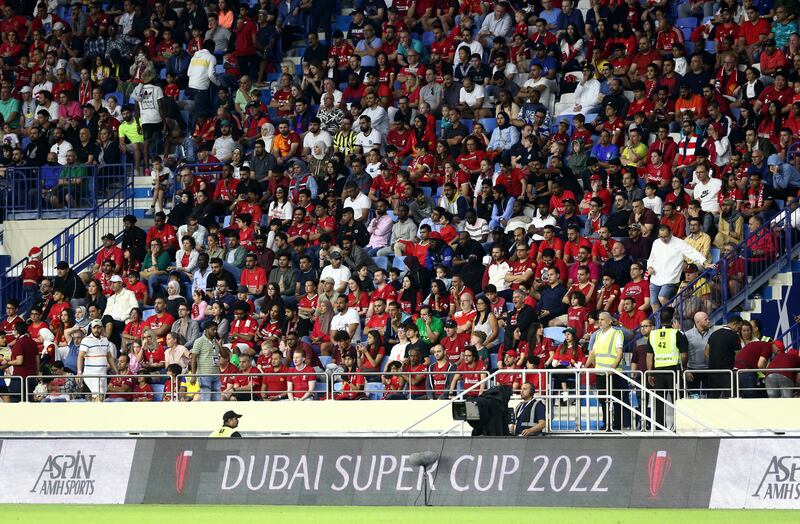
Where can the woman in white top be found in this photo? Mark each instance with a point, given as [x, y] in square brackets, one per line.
[486, 321]
[281, 208]
[176, 352]
[398, 352]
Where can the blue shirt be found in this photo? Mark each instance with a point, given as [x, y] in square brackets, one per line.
[366, 60]
[551, 300]
[605, 153]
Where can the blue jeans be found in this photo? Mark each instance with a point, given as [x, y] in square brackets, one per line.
[667, 290]
[154, 283]
[210, 388]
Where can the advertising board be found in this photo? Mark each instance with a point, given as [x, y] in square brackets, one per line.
[75, 471]
[596, 472]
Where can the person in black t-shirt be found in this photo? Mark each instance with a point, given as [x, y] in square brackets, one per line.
[721, 352]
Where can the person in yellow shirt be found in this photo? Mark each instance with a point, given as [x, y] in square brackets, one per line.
[131, 138]
[635, 152]
[230, 421]
[698, 239]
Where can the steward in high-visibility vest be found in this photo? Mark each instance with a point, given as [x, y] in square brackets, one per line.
[230, 421]
[667, 354]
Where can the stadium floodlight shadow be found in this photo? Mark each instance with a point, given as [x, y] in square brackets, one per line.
[424, 460]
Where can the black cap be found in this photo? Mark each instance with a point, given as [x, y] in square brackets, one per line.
[229, 415]
[241, 289]
[241, 305]
[108, 236]
[449, 323]
[62, 265]
[209, 323]
[129, 218]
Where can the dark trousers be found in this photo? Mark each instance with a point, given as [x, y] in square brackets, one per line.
[698, 385]
[664, 386]
[615, 386]
[719, 385]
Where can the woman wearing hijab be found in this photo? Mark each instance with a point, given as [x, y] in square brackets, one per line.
[81, 317]
[267, 135]
[318, 160]
[174, 298]
[181, 211]
[504, 137]
[320, 333]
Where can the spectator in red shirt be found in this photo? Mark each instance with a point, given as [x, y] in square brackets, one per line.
[783, 384]
[300, 386]
[754, 355]
[24, 359]
[471, 371]
[163, 232]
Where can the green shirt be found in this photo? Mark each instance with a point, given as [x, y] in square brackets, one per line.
[7, 108]
[162, 261]
[128, 130]
[207, 356]
[73, 173]
[436, 325]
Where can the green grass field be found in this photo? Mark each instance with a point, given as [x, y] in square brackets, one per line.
[349, 515]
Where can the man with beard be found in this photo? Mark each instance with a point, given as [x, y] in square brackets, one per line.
[285, 144]
[131, 138]
[225, 144]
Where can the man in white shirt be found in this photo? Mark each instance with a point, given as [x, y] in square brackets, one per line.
[202, 73]
[224, 145]
[357, 201]
[497, 270]
[346, 319]
[587, 94]
[336, 271]
[537, 82]
[95, 356]
[666, 263]
[379, 118]
[474, 46]
[149, 100]
[706, 189]
[315, 134]
[60, 146]
[471, 98]
[369, 138]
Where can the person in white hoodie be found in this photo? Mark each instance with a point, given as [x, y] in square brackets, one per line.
[201, 75]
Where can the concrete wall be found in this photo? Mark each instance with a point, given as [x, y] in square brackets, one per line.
[20, 235]
[290, 417]
[780, 415]
[341, 416]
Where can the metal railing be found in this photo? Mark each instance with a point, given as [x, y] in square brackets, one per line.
[256, 383]
[77, 244]
[35, 193]
[582, 417]
[738, 274]
[15, 388]
[718, 391]
[385, 388]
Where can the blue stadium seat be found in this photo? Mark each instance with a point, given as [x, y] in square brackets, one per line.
[325, 360]
[489, 124]
[399, 264]
[381, 262]
[493, 360]
[219, 69]
[427, 191]
[428, 38]
[158, 392]
[688, 22]
[374, 390]
[714, 254]
[147, 313]
[320, 389]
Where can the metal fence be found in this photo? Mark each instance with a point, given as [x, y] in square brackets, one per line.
[35, 193]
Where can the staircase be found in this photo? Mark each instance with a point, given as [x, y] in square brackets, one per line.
[777, 302]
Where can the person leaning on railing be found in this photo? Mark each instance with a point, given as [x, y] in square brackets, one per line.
[784, 383]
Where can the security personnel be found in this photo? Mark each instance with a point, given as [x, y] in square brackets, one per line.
[667, 350]
[605, 352]
[530, 419]
[230, 421]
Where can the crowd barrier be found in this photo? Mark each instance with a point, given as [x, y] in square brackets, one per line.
[552, 471]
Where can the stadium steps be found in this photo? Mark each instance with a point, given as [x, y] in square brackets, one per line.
[775, 303]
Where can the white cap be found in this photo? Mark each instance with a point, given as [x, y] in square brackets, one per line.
[58, 26]
[115, 278]
[94, 323]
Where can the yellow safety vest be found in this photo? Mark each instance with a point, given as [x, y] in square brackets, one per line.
[665, 347]
[605, 349]
[223, 432]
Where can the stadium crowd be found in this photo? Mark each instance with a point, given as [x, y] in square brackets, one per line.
[429, 189]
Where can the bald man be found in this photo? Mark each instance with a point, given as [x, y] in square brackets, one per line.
[698, 338]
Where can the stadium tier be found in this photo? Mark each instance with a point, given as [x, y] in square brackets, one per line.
[586, 209]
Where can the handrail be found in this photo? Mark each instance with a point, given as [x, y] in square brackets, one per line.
[717, 279]
[653, 396]
[63, 245]
[765, 371]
